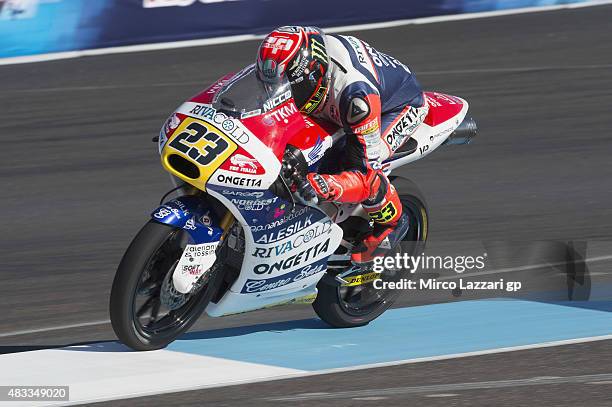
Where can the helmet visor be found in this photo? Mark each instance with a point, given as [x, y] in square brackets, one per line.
[308, 91]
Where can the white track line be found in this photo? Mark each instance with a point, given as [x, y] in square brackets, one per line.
[525, 69]
[499, 271]
[109, 87]
[497, 384]
[525, 268]
[54, 328]
[249, 37]
[127, 49]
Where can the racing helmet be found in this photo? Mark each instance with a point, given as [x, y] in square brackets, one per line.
[301, 55]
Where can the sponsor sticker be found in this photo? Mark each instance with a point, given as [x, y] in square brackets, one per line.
[230, 126]
[256, 286]
[285, 232]
[277, 43]
[282, 114]
[194, 262]
[278, 100]
[253, 194]
[316, 152]
[405, 126]
[292, 261]
[238, 181]
[368, 128]
[358, 110]
[243, 164]
[253, 204]
[290, 243]
[360, 279]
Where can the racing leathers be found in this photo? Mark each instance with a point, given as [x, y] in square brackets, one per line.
[379, 103]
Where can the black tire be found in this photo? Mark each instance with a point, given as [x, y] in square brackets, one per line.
[330, 305]
[137, 260]
[414, 202]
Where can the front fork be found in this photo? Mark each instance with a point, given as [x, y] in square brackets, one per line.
[193, 214]
[226, 222]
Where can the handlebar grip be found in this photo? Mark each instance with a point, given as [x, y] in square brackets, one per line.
[307, 192]
[314, 201]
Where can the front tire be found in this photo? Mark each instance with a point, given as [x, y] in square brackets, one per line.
[143, 277]
[343, 306]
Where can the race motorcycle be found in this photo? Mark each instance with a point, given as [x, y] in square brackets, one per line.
[239, 236]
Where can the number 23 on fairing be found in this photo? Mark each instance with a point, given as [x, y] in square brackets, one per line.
[199, 141]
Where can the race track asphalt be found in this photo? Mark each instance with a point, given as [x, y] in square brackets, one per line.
[80, 175]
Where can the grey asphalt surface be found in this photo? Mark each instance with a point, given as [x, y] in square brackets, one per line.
[80, 175]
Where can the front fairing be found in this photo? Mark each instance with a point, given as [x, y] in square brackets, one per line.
[209, 147]
[204, 146]
[238, 158]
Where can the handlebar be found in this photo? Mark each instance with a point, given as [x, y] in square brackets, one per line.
[293, 172]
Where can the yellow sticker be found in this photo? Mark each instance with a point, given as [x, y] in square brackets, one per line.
[424, 216]
[307, 299]
[361, 279]
[385, 215]
[202, 145]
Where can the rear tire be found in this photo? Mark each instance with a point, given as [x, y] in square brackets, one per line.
[331, 304]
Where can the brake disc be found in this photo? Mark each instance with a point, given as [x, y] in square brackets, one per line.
[168, 295]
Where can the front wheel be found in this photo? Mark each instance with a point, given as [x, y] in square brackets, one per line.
[146, 311]
[358, 302]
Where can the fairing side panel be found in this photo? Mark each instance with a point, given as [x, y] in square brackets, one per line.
[445, 114]
[285, 255]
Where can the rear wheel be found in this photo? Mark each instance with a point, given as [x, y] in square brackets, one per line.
[358, 301]
[146, 311]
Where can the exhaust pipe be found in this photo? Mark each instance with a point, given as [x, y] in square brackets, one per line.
[464, 133]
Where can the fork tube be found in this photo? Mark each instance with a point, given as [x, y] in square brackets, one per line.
[226, 222]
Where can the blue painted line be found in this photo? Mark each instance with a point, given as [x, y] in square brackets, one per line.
[405, 333]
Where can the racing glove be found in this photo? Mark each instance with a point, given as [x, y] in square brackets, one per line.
[325, 186]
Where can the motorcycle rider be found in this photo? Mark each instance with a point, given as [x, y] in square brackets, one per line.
[375, 99]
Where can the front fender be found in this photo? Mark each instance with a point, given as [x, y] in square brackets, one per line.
[192, 214]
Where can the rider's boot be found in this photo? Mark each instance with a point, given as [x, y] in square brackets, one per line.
[390, 226]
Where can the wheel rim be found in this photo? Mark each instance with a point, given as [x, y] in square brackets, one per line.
[153, 314]
[361, 300]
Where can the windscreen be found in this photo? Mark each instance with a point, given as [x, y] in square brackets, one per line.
[245, 95]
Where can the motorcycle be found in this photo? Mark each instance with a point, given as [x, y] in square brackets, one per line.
[240, 237]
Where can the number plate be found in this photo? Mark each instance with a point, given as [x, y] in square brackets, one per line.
[202, 144]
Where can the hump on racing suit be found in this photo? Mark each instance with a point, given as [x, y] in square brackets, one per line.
[368, 92]
[392, 80]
